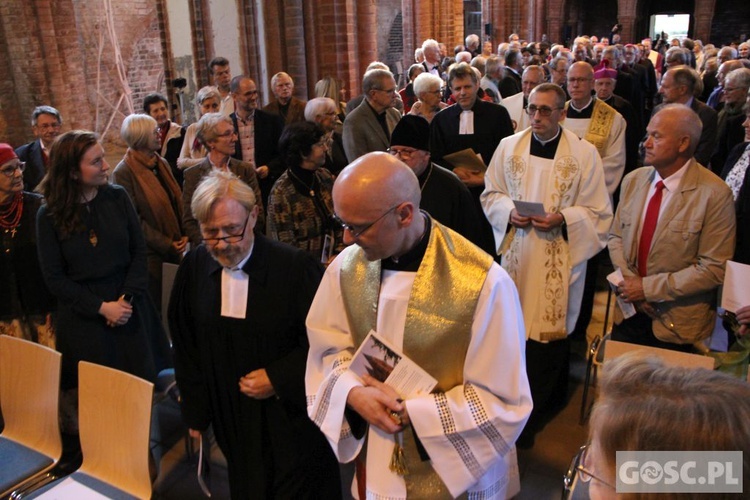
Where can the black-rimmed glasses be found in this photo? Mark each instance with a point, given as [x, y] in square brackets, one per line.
[231, 238]
[357, 231]
[544, 110]
[10, 170]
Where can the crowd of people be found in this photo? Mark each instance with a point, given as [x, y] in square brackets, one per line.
[463, 217]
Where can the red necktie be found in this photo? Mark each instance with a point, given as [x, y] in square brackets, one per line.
[649, 226]
[45, 158]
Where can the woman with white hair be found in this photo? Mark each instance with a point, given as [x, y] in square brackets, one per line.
[322, 110]
[427, 89]
[208, 100]
[147, 178]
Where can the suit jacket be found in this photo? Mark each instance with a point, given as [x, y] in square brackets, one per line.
[31, 154]
[707, 143]
[510, 84]
[694, 238]
[362, 132]
[268, 130]
[295, 113]
[193, 176]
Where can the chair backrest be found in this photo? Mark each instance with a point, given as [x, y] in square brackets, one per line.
[114, 411]
[29, 394]
[614, 348]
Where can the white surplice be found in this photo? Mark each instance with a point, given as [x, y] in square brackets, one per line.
[520, 118]
[468, 431]
[548, 271]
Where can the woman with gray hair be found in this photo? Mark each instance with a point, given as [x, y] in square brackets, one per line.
[322, 110]
[216, 133]
[427, 89]
[148, 179]
[208, 100]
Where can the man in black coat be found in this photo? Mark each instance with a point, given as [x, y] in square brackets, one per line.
[237, 318]
[45, 123]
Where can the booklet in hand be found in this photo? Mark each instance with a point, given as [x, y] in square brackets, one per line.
[379, 359]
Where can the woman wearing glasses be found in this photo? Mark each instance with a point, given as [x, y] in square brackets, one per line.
[93, 258]
[216, 133]
[25, 301]
[300, 206]
[645, 405]
[427, 89]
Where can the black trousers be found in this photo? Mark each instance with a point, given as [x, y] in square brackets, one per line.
[637, 330]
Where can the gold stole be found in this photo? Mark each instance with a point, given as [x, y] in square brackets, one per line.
[441, 306]
[437, 331]
[600, 125]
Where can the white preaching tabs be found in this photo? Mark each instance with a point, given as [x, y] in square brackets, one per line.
[466, 125]
[234, 286]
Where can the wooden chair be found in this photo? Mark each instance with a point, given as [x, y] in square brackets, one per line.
[114, 411]
[30, 444]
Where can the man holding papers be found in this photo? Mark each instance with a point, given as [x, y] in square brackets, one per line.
[444, 304]
[672, 235]
[546, 253]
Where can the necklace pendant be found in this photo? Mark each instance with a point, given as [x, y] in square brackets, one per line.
[13, 232]
[92, 238]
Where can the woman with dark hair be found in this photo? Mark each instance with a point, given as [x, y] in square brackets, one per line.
[300, 206]
[25, 302]
[93, 258]
[147, 178]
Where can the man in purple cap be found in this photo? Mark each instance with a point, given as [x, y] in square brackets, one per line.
[444, 196]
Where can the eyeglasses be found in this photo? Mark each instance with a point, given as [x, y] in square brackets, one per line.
[358, 231]
[231, 238]
[389, 91]
[48, 126]
[578, 80]
[10, 170]
[405, 154]
[577, 468]
[544, 110]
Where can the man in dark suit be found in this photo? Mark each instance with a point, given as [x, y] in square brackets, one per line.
[470, 123]
[678, 87]
[672, 234]
[511, 82]
[288, 107]
[258, 134]
[45, 123]
[237, 317]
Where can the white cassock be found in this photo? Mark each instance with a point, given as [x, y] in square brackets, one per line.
[520, 118]
[468, 431]
[548, 271]
[613, 153]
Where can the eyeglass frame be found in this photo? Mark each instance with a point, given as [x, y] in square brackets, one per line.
[353, 230]
[10, 172]
[228, 238]
[406, 155]
[576, 468]
[543, 111]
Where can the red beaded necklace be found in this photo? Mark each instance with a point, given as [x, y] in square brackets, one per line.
[11, 216]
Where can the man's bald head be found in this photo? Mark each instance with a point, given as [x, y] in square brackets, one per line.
[672, 137]
[367, 191]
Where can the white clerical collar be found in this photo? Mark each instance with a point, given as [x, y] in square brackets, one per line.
[544, 143]
[234, 289]
[466, 123]
[591, 99]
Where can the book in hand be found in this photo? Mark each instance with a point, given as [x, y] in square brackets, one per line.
[467, 159]
[379, 359]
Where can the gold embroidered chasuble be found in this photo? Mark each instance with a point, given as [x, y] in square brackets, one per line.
[600, 125]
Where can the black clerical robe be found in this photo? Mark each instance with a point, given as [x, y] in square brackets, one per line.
[273, 449]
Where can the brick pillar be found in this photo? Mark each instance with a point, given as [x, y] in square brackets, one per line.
[704, 15]
[627, 15]
[367, 41]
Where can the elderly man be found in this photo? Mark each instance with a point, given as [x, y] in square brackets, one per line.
[444, 196]
[222, 77]
[470, 123]
[171, 134]
[258, 134]
[431, 51]
[368, 127]
[472, 45]
[716, 98]
[493, 74]
[559, 71]
[729, 130]
[322, 110]
[547, 164]
[744, 50]
[673, 232]
[45, 123]
[516, 104]
[679, 87]
[451, 310]
[237, 319]
[288, 107]
[591, 119]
